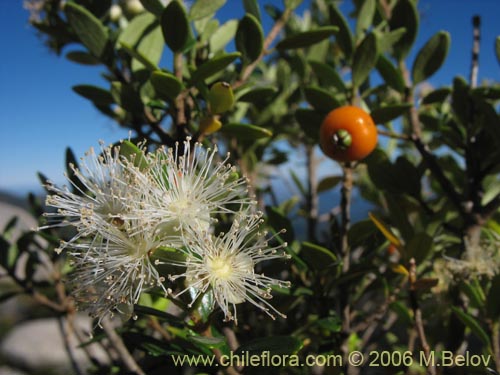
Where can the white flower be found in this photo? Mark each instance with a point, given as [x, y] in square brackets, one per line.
[225, 266]
[188, 188]
[112, 195]
[111, 272]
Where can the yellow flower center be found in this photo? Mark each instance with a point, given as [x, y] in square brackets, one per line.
[220, 268]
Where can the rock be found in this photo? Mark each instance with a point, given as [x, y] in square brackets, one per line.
[38, 345]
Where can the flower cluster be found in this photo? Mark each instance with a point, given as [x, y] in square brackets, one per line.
[127, 205]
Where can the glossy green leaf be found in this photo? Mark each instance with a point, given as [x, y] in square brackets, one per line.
[404, 14]
[387, 40]
[153, 6]
[82, 57]
[258, 94]
[204, 8]
[166, 85]
[430, 58]
[246, 131]
[292, 4]
[71, 162]
[487, 118]
[460, 100]
[223, 35]
[365, 59]
[249, 38]
[320, 99]
[317, 257]
[388, 113]
[95, 94]
[365, 17]
[437, 96]
[252, 7]
[213, 66]
[344, 36]
[145, 310]
[473, 325]
[133, 154]
[391, 75]
[275, 345]
[136, 29]
[476, 297]
[310, 122]
[327, 75]
[175, 26]
[307, 38]
[89, 29]
[127, 97]
[419, 247]
[492, 300]
[328, 183]
[209, 342]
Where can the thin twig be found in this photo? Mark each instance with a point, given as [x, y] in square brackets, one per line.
[179, 101]
[232, 340]
[417, 315]
[312, 193]
[117, 342]
[273, 33]
[62, 322]
[476, 23]
[403, 137]
[495, 337]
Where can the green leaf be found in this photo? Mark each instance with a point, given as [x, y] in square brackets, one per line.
[82, 57]
[387, 40]
[204, 8]
[344, 36]
[252, 7]
[497, 47]
[139, 59]
[327, 75]
[153, 6]
[307, 38]
[388, 113]
[213, 66]
[175, 26]
[127, 97]
[419, 247]
[493, 302]
[223, 35]
[166, 85]
[310, 122]
[95, 94]
[4, 252]
[364, 60]
[249, 38]
[292, 4]
[328, 183]
[258, 94]
[71, 162]
[145, 310]
[246, 131]
[89, 29]
[461, 102]
[133, 154]
[475, 296]
[404, 14]
[391, 75]
[436, 96]
[275, 345]
[365, 17]
[136, 28]
[320, 99]
[473, 325]
[209, 342]
[317, 257]
[431, 57]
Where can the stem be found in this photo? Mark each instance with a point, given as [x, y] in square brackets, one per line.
[345, 209]
[417, 314]
[68, 346]
[312, 193]
[179, 101]
[495, 329]
[117, 342]
[476, 23]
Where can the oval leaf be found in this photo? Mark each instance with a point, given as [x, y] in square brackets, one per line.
[166, 85]
[320, 99]
[317, 257]
[404, 14]
[213, 66]
[328, 183]
[385, 230]
[82, 57]
[437, 96]
[252, 7]
[431, 57]
[258, 94]
[365, 58]
[175, 26]
[497, 47]
[246, 131]
[204, 8]
[383, 115]
[473, 325]
[133, 153]
[310, 122]
[365, 17]
[344, 36]
[307, 38]
[223, 35]
[391, 75]
[153, 6]
[419, 247]
[96, 94]
[327, 75]
[89, 29]
[249, 38]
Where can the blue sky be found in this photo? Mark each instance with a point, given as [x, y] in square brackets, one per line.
[40, 115]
